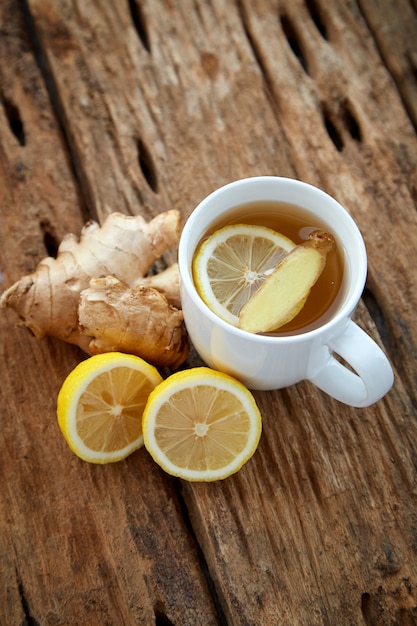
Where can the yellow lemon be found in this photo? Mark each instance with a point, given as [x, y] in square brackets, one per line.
[233, 262]
[100, 406]
[201, 425]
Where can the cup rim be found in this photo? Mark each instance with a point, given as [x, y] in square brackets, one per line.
[344, 311]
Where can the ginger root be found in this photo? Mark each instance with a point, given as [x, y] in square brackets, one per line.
[117, 318]
[122, 250]
[283, 294]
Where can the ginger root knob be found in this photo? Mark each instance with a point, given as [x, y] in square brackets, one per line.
[124, 247]
[138, 321]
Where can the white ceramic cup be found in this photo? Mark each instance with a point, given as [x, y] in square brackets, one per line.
[265, 362]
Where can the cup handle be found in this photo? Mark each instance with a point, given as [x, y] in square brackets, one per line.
[374, 376]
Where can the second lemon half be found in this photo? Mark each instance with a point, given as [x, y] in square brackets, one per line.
[201, 425]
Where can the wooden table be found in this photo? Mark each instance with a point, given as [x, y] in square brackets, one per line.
[144, 105]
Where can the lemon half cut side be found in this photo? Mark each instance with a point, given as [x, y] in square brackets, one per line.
[100, 406]
[233, 262]
[201, 425]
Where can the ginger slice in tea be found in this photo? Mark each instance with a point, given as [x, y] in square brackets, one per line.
[282, 296]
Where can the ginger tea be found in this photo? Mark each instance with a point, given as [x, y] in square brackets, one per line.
[296, 224]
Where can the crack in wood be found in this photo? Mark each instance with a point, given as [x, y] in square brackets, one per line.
[332, 130]
[29, 619]
[161, 619]
[14, 119]
[50, 240]
[336, 123]
[203, 563]
[85, 195]
[400, 72]
[139, 23]
[351, 123]
[377, 315]
[316, 15]
[294, 41]
[147, 165]
[257, 54]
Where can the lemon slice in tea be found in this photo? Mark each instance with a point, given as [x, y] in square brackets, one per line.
[233, 262]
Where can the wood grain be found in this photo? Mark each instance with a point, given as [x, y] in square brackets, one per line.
[142, 106]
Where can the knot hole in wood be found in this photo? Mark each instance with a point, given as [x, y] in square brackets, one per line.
[161, 619]
[338, 122]
[294, 37]
[50, 240]
[147, 165]
[316, 15]
[14, 119]
[139, 23]
[294, 41]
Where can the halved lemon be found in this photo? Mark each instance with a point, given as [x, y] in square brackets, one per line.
[233, 262]
[201, 425]
[100, 406]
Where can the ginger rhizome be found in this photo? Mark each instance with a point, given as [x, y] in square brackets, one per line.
[283, 294]
[96, 293]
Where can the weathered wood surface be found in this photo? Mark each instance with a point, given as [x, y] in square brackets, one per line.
[142, 106]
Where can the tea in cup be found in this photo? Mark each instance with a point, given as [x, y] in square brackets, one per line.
[307, 346]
